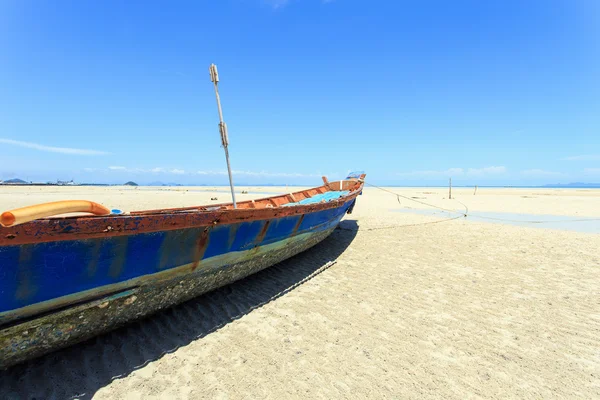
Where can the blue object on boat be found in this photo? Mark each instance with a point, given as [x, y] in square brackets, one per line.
[355, 175]
[319, 198]
[116, 212]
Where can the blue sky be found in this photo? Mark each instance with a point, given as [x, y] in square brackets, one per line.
[488, 92]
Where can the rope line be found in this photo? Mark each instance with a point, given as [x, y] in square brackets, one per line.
[535, 221]
[377, 228]
[466, 212]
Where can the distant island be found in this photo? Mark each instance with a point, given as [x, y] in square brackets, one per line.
[158, 183]
[130, 183]
[15, 181]
[580, 185]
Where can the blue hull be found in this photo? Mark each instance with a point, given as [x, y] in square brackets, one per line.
[56, 293]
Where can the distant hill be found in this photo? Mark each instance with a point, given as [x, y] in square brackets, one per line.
[158, 183]
[580, 185]
[130, 183]
[15, 180]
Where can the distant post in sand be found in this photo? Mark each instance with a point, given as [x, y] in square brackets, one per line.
[475, 192]
[450, 189]
[214, 77]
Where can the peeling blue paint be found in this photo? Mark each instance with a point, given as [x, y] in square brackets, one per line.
[34, 273]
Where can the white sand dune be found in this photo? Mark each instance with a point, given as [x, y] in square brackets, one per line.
[413, 308]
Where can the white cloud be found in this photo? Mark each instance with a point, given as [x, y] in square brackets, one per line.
[454, 171]
[265, 173]
[451, 172]
[258, 173]
[52, 149]
[143, 170]
[176, 171]
[584, 157]
[486, 171]
[540, 173]
[277, 3]
[591, 171]
[430, 173]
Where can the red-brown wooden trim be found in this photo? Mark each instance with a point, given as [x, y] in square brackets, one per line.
[89, 227]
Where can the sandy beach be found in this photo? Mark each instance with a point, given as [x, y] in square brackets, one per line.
[415, 306]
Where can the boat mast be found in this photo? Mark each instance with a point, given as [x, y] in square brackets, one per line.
[214, 77]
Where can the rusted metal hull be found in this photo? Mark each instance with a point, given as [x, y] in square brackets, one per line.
[57, 289]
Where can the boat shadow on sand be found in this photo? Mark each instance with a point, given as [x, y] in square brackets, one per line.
[81, 370]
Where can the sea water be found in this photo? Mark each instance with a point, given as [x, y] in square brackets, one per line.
[561, 222]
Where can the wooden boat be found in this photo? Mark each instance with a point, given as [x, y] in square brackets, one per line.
[63, 280]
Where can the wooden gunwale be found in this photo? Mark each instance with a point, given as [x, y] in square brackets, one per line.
[354, 185]
[90, 227]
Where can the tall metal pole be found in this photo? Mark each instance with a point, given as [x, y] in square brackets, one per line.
[214, 77]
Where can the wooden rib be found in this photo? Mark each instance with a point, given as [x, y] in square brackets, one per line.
[258, 203]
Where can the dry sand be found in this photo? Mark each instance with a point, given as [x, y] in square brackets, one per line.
[413, 308]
